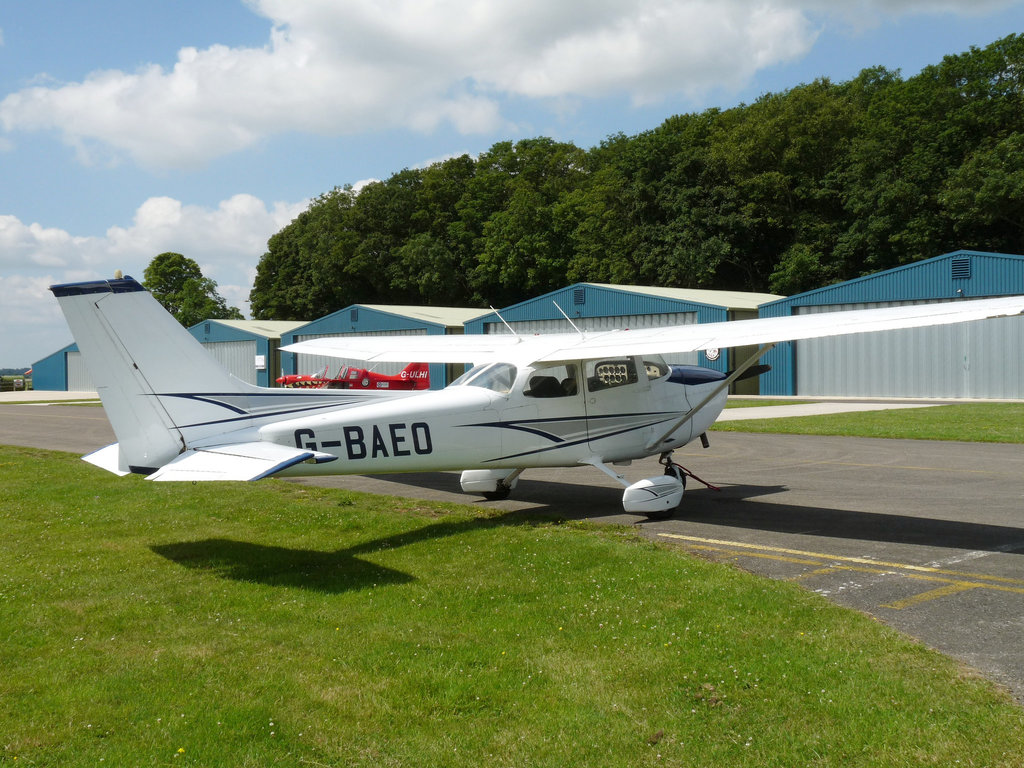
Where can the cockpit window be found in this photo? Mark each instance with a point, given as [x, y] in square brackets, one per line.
[497, 377]
[603, 374]
[558, 380]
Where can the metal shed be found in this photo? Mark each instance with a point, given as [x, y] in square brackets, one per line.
[62, 371]
[598, 306]
[246, 348]
[377, 320]
[972, 360]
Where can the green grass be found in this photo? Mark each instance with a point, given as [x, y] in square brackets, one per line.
[971, 422]
[273, 624]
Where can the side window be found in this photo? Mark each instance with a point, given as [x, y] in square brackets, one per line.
[656, 367]
[557, 380]
[604, 374]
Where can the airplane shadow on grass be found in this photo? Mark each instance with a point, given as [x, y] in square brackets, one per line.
[329, 572]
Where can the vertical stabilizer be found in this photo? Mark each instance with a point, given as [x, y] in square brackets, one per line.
[145, 366]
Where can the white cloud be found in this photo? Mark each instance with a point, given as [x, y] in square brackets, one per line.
[333, 69]
[226, 241]
[34, 326]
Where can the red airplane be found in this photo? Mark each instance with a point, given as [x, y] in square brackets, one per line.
[413, 376]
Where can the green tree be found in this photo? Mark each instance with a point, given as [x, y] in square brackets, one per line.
[178, 283]
[522, 252]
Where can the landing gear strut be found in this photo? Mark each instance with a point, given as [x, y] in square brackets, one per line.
[678, 470]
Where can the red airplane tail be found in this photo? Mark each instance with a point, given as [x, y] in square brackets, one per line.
[418, 373]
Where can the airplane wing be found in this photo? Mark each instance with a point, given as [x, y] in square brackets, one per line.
[482, 348]
[239, 461]
[426, 349]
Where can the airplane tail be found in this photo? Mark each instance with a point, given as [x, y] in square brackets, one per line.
[148, 370]
[419, 373]
[176, 412]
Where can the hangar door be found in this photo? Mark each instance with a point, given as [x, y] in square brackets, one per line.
[609, 323]
[238, 357]
[978, 359]
[79, 379]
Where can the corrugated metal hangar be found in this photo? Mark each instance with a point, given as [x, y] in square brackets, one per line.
[973, 360]
[376, 320]
[248, 349]
[62, 371]
[597, 306]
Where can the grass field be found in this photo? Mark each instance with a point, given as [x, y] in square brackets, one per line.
[971, 422]
[273, 624]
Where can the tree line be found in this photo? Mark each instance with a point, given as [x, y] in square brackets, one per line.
[821, 183]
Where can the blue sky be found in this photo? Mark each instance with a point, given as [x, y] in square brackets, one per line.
[204, 126]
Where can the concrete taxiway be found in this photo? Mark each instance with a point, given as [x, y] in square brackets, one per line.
[925, 536]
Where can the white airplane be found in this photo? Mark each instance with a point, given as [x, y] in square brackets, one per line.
[558, 400]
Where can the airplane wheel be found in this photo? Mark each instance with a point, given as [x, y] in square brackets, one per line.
[501, 494]
[663, 514]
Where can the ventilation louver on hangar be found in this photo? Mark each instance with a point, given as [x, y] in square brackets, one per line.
[960, 269]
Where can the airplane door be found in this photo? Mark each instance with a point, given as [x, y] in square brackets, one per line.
[619, 407]
[545, 422]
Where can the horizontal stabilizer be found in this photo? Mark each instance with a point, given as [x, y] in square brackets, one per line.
[239, 461]
[107, 458]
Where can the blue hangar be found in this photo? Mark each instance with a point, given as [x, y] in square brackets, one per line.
[983, 360]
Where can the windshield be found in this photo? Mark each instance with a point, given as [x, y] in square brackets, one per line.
[497, 377]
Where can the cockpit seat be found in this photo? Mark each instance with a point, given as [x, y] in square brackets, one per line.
[544, 386]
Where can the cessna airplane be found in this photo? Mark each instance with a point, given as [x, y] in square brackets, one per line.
[598, 399]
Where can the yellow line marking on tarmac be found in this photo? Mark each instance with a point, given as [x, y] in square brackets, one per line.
[860, 560]
[949, 589]
[833, 563]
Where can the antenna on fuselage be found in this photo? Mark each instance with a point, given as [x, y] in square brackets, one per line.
[575, 327]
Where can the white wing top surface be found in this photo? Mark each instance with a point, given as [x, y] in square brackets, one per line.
[482, 348]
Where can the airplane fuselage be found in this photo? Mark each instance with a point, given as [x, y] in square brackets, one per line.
[621, 415]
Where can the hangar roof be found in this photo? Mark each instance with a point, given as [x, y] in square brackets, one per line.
[447, 316]
[268, 329]
[727, 299]
[959, 274]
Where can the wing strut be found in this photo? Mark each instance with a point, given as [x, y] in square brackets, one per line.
[653, 445]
